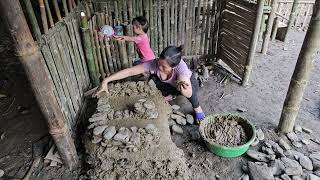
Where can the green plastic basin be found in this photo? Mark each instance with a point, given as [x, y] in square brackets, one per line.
[226, 151]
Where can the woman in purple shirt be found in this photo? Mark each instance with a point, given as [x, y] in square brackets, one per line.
[170, 74]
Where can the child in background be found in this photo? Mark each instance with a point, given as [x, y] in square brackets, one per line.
[140, 28]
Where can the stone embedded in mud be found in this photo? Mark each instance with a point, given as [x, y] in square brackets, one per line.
[136, 139]
[134, 129]
[257, 155]
[285, 177]
[97, 131]
[305, 162]
[1, 173]
[277, 167]
[139, 107]
[315, 157]
[297, 144]
[276, 148]
[190, 119]
[267, 150]
[317, 172]
[177, 129]
[292, 137]
[179, 113]
[297, 129]
[109, 132]
[97, 118]
[152, 113]
[123, 135]
[149, 104]
[175, 107]
[110, 114]
[181, 121]
[297, 178]
[126, 113]
[260, 134]
[305, 141]
[312, 177]
[292, 167]
[307, 130]
[284, 144]
[140, 83]
[151, 128]
[260, 171]
[171, 122]
[104, 108]
[96, 140]
[118, 114]
[175, 116]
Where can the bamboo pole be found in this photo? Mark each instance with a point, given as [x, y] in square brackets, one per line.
[92, 26]
[197, 44]
[108, 53]
[41, 83]
[57, 10]
[261, 31]
[175, 23]
[65, 7]
[98, 49]
[33, 20]
[88, 50]
[104, 57]
[272, 15]
[70, 5]
[300, 77]
[165, 24]
[275, 29]
[48, 10]
[43, 16]
[304, 24]
[253, 44]
[203, 25]
[291, 19]
[155, 33]
[160, 27]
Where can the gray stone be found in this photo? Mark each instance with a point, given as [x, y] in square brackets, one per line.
[97, 131]
[149, 104]
[297, 178]
[138, 107]
[313, 177]
[285, 177]
[317, 172]
[175, 107]
[190, 119]
[276, 178]
[152, 113]
[242, 110]
[284, 144]
[97, 118]
[276, 148]
[260, 171]
[307, 130]
[260, 134]
[315, 157]
[152, 84]
[179, 113]
[104, 108]
[292, 167]
[297, 128]
[151, 128]
[175, 116]
[305, 162]
[277, 167]
[177, 129]
[181, 121]
[96, 140]
[292, 137]
[245, 177]
[118, 114]
[1, 173]
[136, 139]
[134, 129]
[257, 156]
[245, 168]
[126, 113]
[305, 141]
[267, 150]
[123, 135]
[171, 122]
[296, 144]
[109, 132]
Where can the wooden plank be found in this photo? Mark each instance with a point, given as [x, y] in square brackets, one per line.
[192, 28]
[236, 17]
[244, 4]
[233, 65]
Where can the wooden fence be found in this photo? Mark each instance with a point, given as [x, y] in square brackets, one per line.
[195, 24]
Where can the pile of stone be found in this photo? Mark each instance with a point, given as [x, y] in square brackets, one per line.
[140, 88]
[281, 159]
[178, 119]
[126, 139]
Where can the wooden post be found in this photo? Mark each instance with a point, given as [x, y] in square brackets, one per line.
[300, 77]
[33, 20]
[291, 19]
[43, 17]
[41, 83]
[57, 10]
[253, 44]
[267, 35]
[88, 50]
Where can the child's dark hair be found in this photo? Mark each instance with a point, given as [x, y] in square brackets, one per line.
[141, 21]
[172, 54]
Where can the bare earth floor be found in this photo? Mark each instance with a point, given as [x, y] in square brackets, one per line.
[263, 100]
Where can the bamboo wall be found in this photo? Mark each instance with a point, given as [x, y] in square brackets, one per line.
[195, 24]
[303, 12]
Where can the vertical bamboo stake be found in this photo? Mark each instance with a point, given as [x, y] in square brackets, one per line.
[192, 28]
[180, 23]
[300, 77]
[203, 26]
[253, 44]
[41, 83]
[49, 13]
[206, 37]
[175, 23]
[88, 50]
[160, 26]
[125, 12]
[73, 4]
[92, 27]
[183, 20]
[65, 7]
[272, 15]
[275, 29]
[263, 20]
[155, 21]
[151, 27]
[304, 24]
[108, 53]
[291, 19]
[165, 24]
[187, 20]
[33, 20]
[43, 17]
[57, 10]
[70, 5]
[197, 45]
[98, 49]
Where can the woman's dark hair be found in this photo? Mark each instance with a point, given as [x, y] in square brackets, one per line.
[172, 54]
[141, 21]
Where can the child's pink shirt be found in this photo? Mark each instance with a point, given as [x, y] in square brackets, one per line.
[143, 48]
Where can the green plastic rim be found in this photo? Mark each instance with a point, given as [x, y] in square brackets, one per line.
[227, 151]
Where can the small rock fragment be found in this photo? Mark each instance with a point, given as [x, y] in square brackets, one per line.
[305, 141]
[181, 121]
[1, 173]
[297, 178]
[313, 177]
[297, 128]
[171, 122]
[175, 107]
[190, 119]
[177, 129]
[149, 104]
[241, 109]
[317, 172]
[134, 129]
[297, 144]
[277, 167]
[109, 132]
[260, 135]
[285, 177]
[307, 130]
[97, 131]
[284, 144]
[260, 171]
[315, 157]
[257, 155]
[305, 162]
[150, 128]
[245, 177]
[292, 167]
[292, 137]
[179, 113]
[267, 150]
[152, 113]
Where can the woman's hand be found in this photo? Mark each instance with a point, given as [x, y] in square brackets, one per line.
[103, 88]
[184, 86]
[119, 38]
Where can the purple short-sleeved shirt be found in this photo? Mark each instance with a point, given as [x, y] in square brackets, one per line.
[181, 70]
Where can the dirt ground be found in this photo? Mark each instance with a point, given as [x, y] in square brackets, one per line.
[22, 125]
